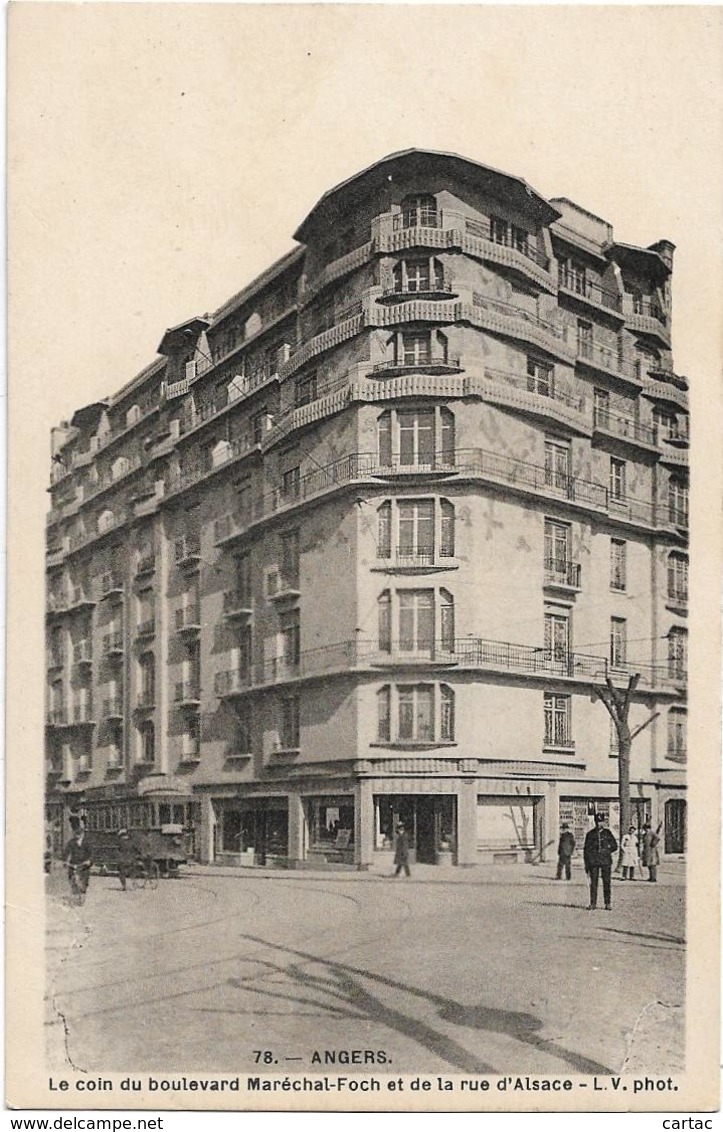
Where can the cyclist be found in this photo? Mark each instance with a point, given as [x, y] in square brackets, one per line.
[78, 859]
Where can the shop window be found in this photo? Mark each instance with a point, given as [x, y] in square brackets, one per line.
[331, 822]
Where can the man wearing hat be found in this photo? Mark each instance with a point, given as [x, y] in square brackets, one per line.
[126, 856]
[598, 856]
[401, 851]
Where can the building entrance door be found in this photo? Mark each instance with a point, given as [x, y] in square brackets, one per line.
[426, 831]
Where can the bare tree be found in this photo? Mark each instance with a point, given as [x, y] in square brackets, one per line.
[617, 702]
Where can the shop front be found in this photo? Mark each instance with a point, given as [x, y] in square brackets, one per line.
[430, 821]
[579, 814]
[252, 831]
[329, 821]
[509, 827]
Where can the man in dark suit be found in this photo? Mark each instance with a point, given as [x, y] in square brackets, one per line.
[78, 858]
[598, 856]
[565, 850]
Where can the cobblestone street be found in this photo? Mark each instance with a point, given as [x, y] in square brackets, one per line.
[490, 970]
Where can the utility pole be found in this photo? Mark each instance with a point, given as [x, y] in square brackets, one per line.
[617, 702]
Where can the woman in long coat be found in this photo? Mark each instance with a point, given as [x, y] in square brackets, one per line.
[630, 860]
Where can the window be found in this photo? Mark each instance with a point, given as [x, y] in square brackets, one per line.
[289, 723]
[678, 653]
[384, 725]
[242, 570]
[618, 642]
[417, 276]
[416, 620]
[677, 741]
[306, 390]
[290, 557]
[419, 211]
[678, 502]
[557, 638]
[584, 338]
[498, 230]
[557, 549]
[244, 650]
[147, 666]
[384, 530]
[557, 721]
[258, 425]
[147, 734]
[601, 408]
[446, 621]
[678, 576]
[540, 377]
[416, 528]
[446, 725]
[416, 713]
[446, 542]
[617, 479]
[291, 483]
[675, 825]
[417, 348]
[416, 437]
[242, 731]
[557, 465]
[572, 275]
[291, 639]
[666, 423]
[192, 738]
[384, 609]
[618, 564]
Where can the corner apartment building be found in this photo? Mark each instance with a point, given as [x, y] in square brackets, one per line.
[356, 547]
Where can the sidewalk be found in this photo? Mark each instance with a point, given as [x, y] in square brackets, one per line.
[670, 873]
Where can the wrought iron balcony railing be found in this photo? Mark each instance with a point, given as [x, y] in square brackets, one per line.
[560, 572]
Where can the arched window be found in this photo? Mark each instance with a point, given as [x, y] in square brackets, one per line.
[446, 724]
[419, 210]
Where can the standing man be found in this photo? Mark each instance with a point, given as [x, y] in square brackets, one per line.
[78, 859]
[126, 857]
[565, 850]
[401, 851]
[651, 855]
[598, 856]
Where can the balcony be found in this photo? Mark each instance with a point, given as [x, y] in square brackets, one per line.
[113, 646]
[111, 585]
[624, 428]
[511, 321]
[237, 603]
[280, 587]
[187, 551]
[80, 598]
[113, 708]
[146, 628]
[466, 653]
[188, 619]
[536, 396]
[83, 653]
[234, 682]
[590, 293]
[146, 564]
[187, 694]
[430, 365]
[436, 289]
[647, 317]
[560, 574]
[414, 562]
[57, 717]
[608, 361]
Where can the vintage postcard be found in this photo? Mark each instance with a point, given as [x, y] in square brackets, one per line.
[364, 498]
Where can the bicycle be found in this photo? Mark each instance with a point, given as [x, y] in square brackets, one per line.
[145, 874]
[79, 877]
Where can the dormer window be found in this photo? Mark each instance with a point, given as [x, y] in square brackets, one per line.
[419, 211]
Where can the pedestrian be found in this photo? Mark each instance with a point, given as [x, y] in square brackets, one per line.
[651, 855]
[565, 850]
[401, 851]
[126, 857]
[77, 857]
[630, 859]
[598, 857]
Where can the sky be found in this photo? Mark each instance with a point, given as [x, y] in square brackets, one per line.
[162, 155]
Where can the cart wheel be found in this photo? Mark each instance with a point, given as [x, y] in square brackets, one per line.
[153, 873]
